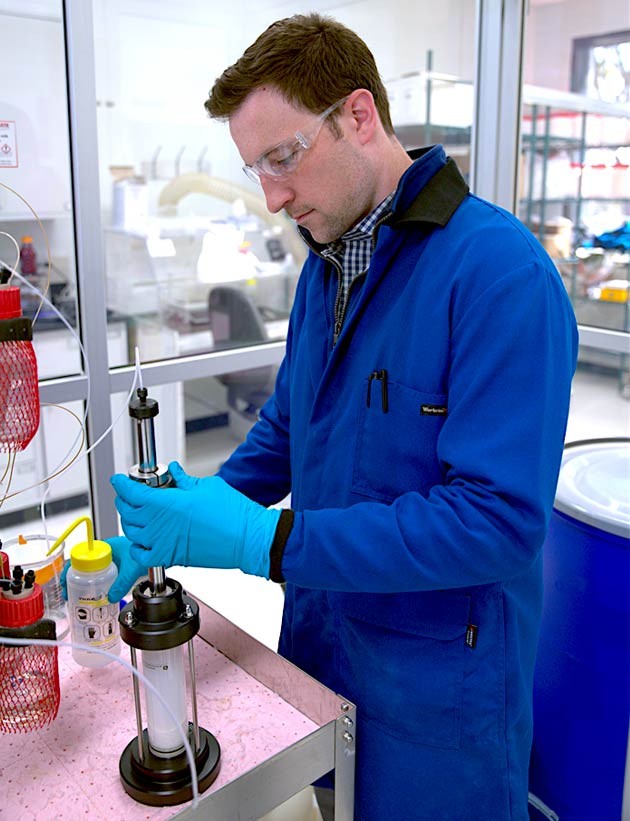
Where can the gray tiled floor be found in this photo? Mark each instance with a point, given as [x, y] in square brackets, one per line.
[598, 409]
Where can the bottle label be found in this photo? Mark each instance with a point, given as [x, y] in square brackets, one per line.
[95, 622]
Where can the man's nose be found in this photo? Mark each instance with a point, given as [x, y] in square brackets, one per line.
[278, 193]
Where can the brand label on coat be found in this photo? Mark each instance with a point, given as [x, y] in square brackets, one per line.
[471, 636]
[433, 410]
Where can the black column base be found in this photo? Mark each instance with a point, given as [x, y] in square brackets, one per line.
[164, 782]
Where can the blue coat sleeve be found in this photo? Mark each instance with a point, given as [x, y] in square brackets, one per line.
[513, 354]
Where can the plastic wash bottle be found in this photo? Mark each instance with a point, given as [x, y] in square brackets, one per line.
[93, 620]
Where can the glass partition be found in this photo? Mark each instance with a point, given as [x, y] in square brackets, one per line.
[191, 260]
[575, 168]
[194, 262]
[575, 187]
[37, 255]
[36, 213]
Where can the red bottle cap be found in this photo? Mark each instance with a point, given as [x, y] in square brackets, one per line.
[10, 303]
[20, 612]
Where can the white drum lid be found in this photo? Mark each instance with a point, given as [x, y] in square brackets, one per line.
[594, 484]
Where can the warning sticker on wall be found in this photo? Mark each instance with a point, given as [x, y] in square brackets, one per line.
[8, 144]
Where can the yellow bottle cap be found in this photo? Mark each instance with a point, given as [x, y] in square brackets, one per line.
[27, 239]
[90, 556]
[87, 556]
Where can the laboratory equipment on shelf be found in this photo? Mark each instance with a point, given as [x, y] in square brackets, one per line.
[160, 622]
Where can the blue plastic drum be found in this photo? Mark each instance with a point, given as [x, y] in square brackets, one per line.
[582, 681]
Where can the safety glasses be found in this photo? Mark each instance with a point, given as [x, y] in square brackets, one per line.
[285, 157]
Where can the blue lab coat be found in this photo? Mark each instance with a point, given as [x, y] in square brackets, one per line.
[413, 564]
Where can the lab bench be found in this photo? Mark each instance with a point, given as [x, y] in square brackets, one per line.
[279, 730]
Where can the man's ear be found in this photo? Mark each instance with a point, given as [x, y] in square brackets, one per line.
[364, 115]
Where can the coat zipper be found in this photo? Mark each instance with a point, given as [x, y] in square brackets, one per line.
[339, 312]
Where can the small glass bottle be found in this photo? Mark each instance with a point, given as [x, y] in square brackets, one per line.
[28, 257]
[93, 619]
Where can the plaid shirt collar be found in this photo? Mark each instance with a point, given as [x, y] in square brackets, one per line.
[352, 252]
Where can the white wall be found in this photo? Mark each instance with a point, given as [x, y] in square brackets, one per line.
[156, 63]
[400, 38]
[33, 49]
[551, 28]
[400, 34]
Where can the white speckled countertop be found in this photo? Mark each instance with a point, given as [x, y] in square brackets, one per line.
[69, 770]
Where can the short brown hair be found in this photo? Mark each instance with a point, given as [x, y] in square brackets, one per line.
[312, 60]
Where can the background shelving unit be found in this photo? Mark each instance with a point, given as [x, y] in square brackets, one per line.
[586, 126]
[429, 107]
[575, 183]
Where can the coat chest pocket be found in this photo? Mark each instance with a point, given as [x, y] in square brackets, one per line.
[405, 663]
[396, 449]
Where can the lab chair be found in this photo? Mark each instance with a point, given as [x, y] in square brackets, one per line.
[235, 322]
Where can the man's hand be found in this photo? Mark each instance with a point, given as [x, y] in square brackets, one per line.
[199, 522]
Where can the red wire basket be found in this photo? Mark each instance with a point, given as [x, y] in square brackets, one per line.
[19, 391]
[29, 674]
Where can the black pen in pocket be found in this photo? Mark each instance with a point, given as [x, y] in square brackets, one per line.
[380, 376]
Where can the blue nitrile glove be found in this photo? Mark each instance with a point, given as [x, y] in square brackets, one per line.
[129, 570]
[62, 579]
[130, 566]
[199, 522]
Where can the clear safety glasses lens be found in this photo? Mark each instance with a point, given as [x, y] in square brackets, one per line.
[282, 160]
[251, 173]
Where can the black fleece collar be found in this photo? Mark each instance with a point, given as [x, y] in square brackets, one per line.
[438, 200]
[435, 203]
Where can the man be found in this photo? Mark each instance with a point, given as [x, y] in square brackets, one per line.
[418, 423]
